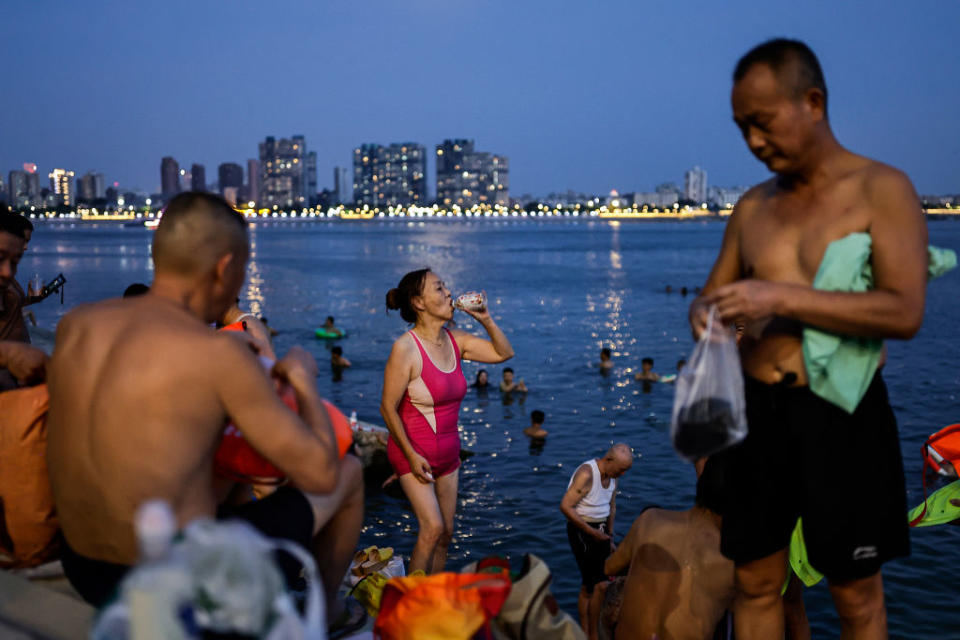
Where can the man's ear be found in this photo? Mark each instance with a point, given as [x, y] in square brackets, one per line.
[817, 103]
[222, 265]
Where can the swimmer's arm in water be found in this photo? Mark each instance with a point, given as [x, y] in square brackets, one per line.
[303, 447]
[579, 488]
[398, 373]
[892, 309]
[476, 349]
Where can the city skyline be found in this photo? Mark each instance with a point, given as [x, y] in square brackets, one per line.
[591, 99]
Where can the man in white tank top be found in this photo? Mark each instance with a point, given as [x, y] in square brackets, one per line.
[590, 505]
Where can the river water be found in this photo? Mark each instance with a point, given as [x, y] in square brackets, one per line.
[561, 290]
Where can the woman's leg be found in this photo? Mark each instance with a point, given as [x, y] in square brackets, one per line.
[423, 499]
[446, 487]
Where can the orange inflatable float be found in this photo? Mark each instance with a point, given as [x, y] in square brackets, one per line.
[237, 460]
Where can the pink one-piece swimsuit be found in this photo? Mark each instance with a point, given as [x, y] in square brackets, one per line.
[429, 411]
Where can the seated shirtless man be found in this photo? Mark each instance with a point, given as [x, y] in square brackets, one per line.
[678, 584]
[140, 392]
[794, 460]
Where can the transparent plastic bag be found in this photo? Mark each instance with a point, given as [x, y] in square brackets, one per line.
[220, 578]
[709, 411]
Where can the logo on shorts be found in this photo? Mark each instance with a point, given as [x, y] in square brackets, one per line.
[864, 553]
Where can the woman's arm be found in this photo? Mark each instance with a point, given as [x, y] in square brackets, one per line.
[396, 376]
[477, 349]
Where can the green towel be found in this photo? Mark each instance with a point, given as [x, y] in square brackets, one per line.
[939, 508]
[840, 368]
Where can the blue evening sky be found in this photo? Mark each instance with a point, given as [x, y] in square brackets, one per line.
[589, 96]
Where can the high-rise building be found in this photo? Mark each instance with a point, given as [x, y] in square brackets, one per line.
[198, 178]
[61, 184]
[466, 177]
[253, 180]
[695, 185]
[17, 189]
[230, 175]
[285, 172]
[169, 178]
[389, 176]
[342, 186]
[3, 190]
[90, 186]
[310, 178]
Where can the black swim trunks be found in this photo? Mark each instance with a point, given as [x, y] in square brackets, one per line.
[805, 457]
[589, 553]
[286, 514]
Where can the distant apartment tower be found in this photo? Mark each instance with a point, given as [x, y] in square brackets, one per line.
[288, 173]
[61, 185]
[342, 185]
[253, 180]
[230, 176]
[198, 178]
[695, 185]
[90, 186]
[169, 178]
[390, 176]
[467, 178]
[17, 189]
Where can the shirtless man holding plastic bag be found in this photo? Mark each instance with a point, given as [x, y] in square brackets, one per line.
[794, 460]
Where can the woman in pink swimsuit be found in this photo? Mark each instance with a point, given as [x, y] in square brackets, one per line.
[423, 385]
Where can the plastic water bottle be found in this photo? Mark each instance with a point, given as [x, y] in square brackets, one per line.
[353, 420]
[155, 525]
[159, 589]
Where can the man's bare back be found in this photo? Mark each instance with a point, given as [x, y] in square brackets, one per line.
[135, 415]
[678, 585]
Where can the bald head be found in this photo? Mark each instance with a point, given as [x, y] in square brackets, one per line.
[197, 229]
[618, 459]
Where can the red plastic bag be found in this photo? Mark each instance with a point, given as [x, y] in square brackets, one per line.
[443, 606]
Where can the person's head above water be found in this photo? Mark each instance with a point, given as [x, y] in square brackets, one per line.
[482, 379]
[337, 351]
[646, 364]
[200, 252]
[507, 375]
[537, 416]
[421, 294]
[136, 289]
[618, 460]
[12, 246]
[329, 321]
[605, 354]
[779, 101]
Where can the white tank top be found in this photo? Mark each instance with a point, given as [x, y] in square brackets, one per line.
[595, 506]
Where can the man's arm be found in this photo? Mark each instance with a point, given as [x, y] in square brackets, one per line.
[892, 309]
[619, 561]
[726, 269]
[579, 488]
[303, 446]
[613, 512]
[26, 363]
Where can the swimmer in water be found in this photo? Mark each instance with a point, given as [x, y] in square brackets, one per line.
[606, 363]
[646, 373]
[536, 430]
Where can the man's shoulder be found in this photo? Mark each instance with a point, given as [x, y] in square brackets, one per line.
[880, 180]
[753, 200]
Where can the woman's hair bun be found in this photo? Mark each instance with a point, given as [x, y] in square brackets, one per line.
[392, 303]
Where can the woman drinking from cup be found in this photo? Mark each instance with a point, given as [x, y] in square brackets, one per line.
[423, 386]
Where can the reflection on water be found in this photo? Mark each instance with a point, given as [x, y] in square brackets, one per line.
[562, 291]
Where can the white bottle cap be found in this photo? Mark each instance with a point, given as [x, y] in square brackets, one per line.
[155, 525]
